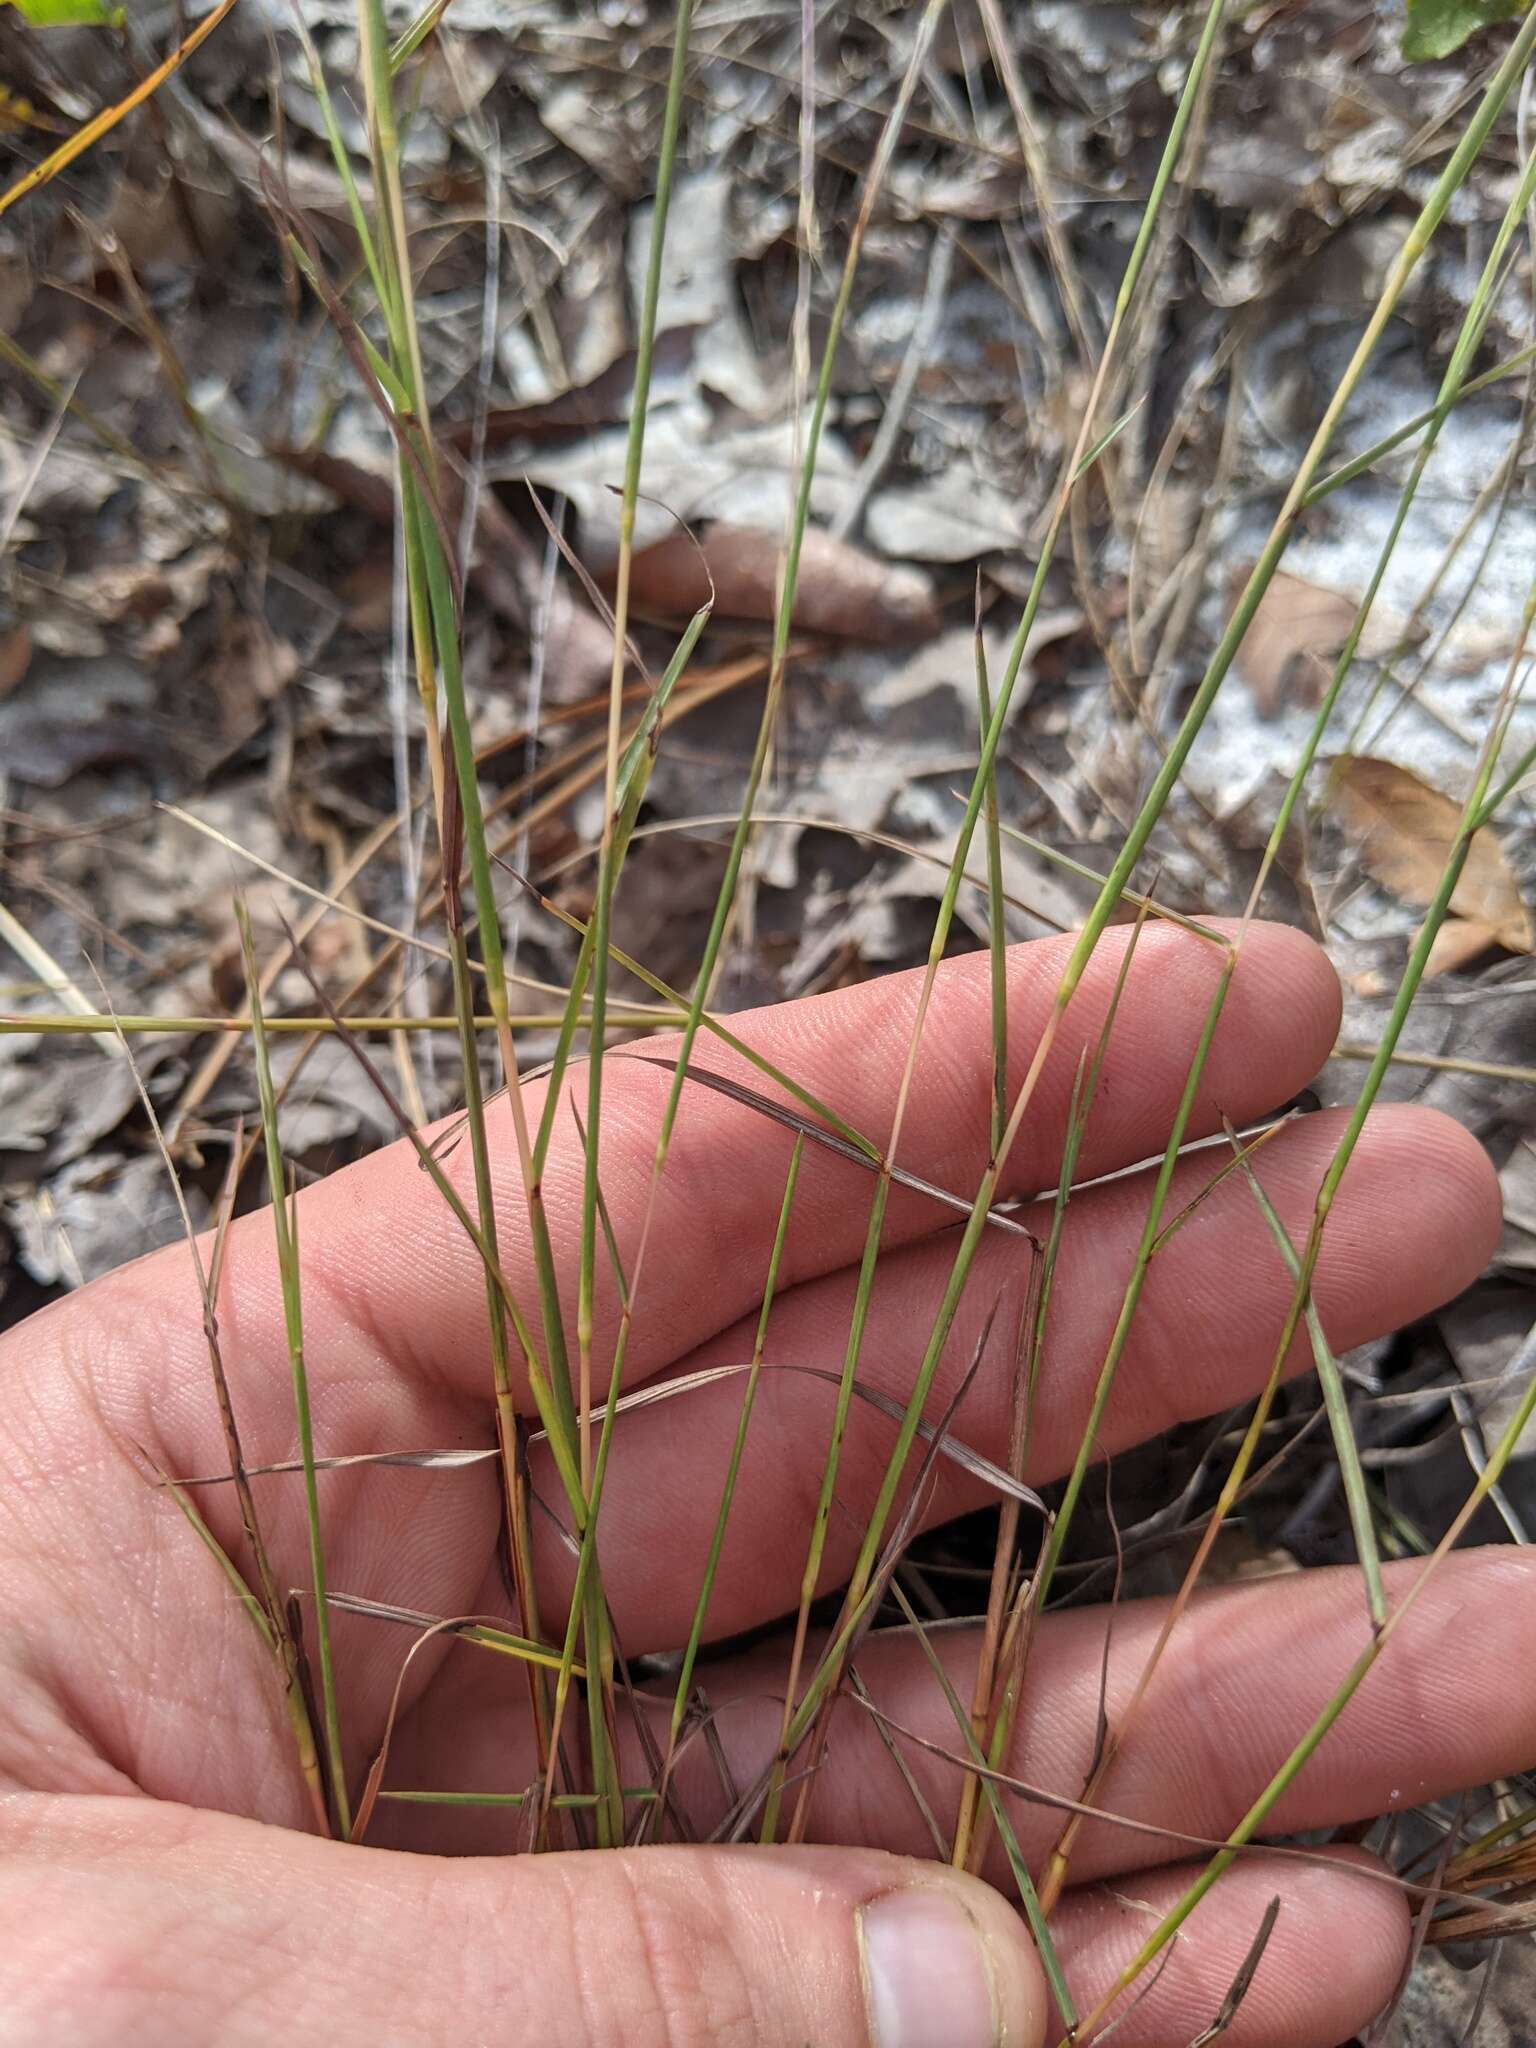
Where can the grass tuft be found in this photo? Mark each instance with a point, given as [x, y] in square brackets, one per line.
[558, 1365]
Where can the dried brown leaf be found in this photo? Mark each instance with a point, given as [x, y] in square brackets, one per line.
[1405, 830]
[15, 658]
[1459, 941]
[1293, 641]
[840, 589]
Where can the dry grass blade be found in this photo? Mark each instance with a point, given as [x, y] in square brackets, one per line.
[84, 1016]
[351, 912]
[1132, 2006]
[712, 1024]
[1362, 1520]
[1100, 880]
[276, 1634]
[832, 1141]
[103, 123]
[562, 1802]
[416, 1461]
[962, 1454]
[285, 1224]
[1177, 1840]
[1018, 1868]
[914, 1791]
[484, 1633]
[221, 1557]
[64, 1024]
[372, 1784]
[733, 1468]
[866, 835]
[1240, 1984]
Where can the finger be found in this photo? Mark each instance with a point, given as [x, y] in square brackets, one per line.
[1331, 1964]
[385, 1248]
[127, 1924]
[1416, 1218]
[1247, 1672]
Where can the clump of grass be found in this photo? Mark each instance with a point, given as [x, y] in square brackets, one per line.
[578, 1393]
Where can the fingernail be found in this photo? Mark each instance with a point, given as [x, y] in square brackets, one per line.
[927, 1975]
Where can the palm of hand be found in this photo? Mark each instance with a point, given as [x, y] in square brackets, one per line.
[132, 1671]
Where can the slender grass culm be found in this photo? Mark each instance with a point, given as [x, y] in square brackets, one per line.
[522, 922]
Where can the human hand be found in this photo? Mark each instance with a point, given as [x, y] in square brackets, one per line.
[156, 1882]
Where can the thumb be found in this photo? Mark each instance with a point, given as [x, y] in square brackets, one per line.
[127, 1922]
